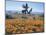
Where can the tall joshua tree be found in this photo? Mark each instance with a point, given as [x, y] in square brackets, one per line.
[26, 8]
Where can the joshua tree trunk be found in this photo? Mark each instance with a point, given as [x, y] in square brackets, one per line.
[30, 11]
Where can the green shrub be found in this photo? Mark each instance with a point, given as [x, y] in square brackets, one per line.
[24, 17]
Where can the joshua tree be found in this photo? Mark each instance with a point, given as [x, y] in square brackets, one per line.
[26, 8]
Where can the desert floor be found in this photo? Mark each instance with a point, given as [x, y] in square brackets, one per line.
[24, 24]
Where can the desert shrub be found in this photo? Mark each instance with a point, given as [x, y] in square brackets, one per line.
[37, 25]
[34, 18]
[24, 17]
[41, 18]
[8, 16]
[34, 29]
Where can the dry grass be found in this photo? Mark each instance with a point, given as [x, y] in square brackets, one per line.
[20, 25]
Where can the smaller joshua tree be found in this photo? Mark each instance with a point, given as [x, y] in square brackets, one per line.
[30, 11]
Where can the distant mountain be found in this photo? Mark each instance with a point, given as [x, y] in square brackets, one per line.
[17, 12]
[37, 13]
[12, 11]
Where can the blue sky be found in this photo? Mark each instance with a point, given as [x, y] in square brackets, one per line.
[36, 7]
